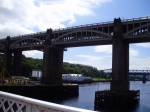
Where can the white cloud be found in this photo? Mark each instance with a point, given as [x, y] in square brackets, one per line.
[89, 57]
[72, 61]
[133, 52]
[108, 50]
[140, 63]
[103, 49]
[26, 16]
[105, 61]
[19, 17]
[33, 53]
[96, 61]
[145, 45]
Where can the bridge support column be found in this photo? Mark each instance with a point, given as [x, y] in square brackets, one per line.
[52, 65]
[8, 55]
[8, 62]
[120, 59]
[119, 97]
[17, 68]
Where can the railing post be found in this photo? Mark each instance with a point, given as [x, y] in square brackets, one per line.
[15, 103]
[29, 108]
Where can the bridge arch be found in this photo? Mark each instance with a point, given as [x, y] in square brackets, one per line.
[84, 33]
[142, 29]
[26, 42]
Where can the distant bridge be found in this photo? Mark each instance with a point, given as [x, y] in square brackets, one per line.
[119, 33]
[140, 72]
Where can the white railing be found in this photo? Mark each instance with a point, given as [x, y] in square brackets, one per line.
[16, 103]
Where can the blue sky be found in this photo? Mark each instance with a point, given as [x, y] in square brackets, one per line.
[27, 16]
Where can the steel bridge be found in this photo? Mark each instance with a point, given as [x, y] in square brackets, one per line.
[132, 71]
[119, 33]
[140, 73]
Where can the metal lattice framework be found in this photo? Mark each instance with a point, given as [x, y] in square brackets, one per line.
[137, 30]
[16, 103]
[81, 37]
[134, 31]
[8, 104]
[23, 43]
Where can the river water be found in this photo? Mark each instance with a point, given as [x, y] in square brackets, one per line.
[87, 93]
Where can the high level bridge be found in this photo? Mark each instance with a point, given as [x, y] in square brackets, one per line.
[119, 33]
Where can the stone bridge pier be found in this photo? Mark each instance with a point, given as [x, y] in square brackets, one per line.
[52, 62]
[8, 55]
[119, 96]
[17, 60]
[13, 60]
[13, 63]
[120, 59]
[52, 65]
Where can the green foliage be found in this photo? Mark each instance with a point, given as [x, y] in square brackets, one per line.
[82, 69]
[28, 64]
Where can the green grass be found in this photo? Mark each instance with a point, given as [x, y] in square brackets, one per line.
[101, 79]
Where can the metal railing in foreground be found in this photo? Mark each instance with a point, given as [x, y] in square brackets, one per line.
[16, 103]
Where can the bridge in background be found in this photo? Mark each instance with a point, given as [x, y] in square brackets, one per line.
[142, 74]
[119, 33]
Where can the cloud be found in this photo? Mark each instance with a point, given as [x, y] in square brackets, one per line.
[140, 63]
[103, 49]
[145, 45]
[133, 52]
[107, 49]
[26, 16]
[19, 17]
[72, 61]
[33, 53]
[104, 61]
[89, 57]
[101, 62]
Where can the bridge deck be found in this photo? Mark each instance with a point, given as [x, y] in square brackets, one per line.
[135, 30]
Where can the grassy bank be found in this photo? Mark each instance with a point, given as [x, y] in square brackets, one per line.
[100, 79]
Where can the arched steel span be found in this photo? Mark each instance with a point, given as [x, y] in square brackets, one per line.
[81, 37]
[119, 33]
[29, 43]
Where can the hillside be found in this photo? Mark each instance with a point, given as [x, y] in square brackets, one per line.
[30, 63]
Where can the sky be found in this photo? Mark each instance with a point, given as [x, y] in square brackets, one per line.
[29, 16]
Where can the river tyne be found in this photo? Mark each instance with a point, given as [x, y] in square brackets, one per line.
[87, 93]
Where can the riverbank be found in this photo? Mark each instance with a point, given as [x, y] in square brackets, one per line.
[99, 79]
[87, 81]
[93, 80]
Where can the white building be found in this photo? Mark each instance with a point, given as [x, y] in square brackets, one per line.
[74, 77]
[36, 73]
